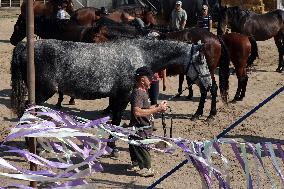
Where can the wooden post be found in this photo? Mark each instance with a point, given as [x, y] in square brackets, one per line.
[31, 74]
[10, 3]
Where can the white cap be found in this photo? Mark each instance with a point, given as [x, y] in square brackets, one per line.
[204, 7]
[178, 3]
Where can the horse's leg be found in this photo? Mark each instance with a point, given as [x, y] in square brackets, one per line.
[190, 91]
[244, 87]
[72, 101]
[213, 91]
[238, 92]
[108, 109]
[254, 52]
[200, 108]
[60, 100]
[118, 105]
[43, 93]
[180, 82]
[279, 44]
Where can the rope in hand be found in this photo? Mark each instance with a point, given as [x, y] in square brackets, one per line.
[163, 114]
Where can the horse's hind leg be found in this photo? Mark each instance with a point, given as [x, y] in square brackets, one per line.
[238, 92]
[244, 87]
[118, 105]
[60, 100]
[242, 82]
[43, 95]
[280, 46]
[72, 101]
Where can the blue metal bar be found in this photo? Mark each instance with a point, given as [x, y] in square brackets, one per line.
[220, 135]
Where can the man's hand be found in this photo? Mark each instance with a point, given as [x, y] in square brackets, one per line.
[163, 106]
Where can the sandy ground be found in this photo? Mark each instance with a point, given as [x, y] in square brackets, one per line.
[265, 125]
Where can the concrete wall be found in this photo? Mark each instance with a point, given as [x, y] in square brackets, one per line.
[92, 3]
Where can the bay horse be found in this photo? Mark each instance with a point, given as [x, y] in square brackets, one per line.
[87, 16]
[260, 26]
[218, 52]
[93, 71]
[48, 9]
[51, 28]
[216, 55]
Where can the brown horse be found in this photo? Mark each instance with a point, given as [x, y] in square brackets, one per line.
[261, 26]
[218, 52]
[239, 47]
[215, 52]
[48, 9]
[89, 15]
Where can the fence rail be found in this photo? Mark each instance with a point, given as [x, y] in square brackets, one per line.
[10, 3]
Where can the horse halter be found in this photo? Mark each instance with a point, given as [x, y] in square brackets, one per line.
[200, 68]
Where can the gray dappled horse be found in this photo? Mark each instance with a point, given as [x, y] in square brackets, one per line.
[93, 71]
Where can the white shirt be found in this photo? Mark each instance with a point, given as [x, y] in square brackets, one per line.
[62, 14]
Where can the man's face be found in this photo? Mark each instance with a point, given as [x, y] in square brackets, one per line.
[146, 81]
[178, 7]
[204, 12]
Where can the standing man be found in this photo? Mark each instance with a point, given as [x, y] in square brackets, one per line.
[178, 17]
[205, 19]
[141, 113]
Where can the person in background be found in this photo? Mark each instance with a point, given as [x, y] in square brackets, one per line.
[141, 111]
[131, 20]
[178, 17]
[103, 11]
[205, 20]
[154, 89]
[62, 13]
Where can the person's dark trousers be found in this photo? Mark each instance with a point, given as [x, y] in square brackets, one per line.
[154, 92]
[154, 95]
[140, 156]
[180, 82]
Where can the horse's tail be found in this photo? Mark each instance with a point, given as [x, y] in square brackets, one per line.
[224, 70]
[254, 51]
[19, 88]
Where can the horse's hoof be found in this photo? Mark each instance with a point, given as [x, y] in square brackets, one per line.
[178, 95]
[189, 97]
[280, 69]
[107, 110]
[195, 117]
[210, 118]
[58, 106]
[72, 102]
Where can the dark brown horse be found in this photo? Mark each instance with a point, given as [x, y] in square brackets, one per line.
[239, 47]
[50, 28]
[261, 27]
[88, 16]
[48, 9]
[215, 53]
[218, 53]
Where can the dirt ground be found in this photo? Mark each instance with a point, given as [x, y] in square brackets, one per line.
[265, 125]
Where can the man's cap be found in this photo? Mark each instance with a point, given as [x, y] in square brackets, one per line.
[178, 3]
[204, 7]
[144, 71]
